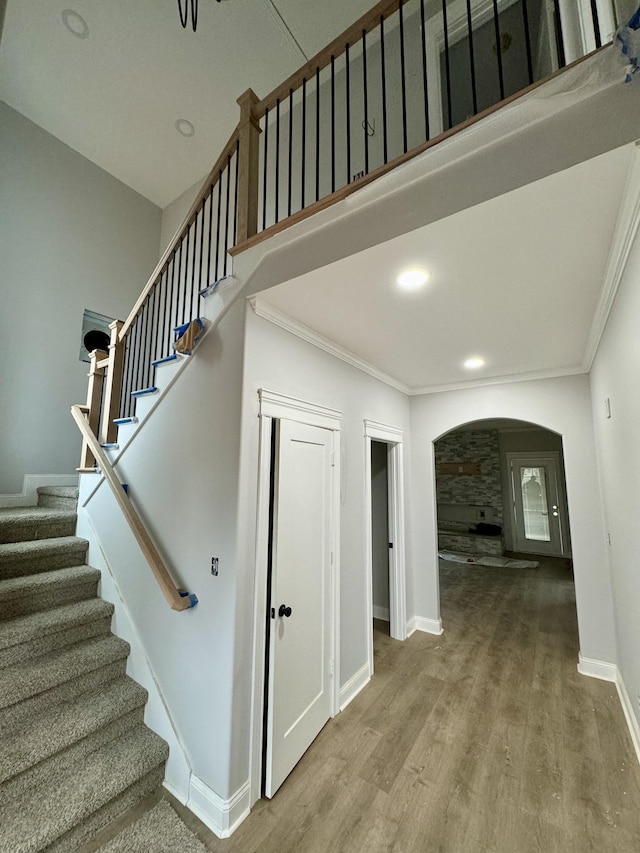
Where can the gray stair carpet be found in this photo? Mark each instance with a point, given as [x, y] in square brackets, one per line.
[74, 751]
[159, 830]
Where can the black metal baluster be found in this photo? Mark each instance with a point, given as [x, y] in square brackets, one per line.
[128, 377]
[168, 335]
[210, 238]
[290, 169]
[496, 23]
[304, 140]
[141, 346]
[165, 292]
[218, 222]
[226, 218]
[527, 39]
[235, 195]
[176, 309]
[596, 23]
[423, 27]
[348, 100]
[366, 102]
[183, 313]
[333, 126]
[264, 170]
[189, 312]
[317, 133]
[153, 337]
[204, 202]
[384, 92]
[447, 64]
[402, 77]
[472, 64]
[559, 37]
[277, 187]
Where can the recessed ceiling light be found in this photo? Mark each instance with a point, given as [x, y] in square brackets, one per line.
[75, 23]
[412, 279]
[474, 363]
[184, 127]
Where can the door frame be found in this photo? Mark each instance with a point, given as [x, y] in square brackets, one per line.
[393, 438]
[563, 517]
[274, 406]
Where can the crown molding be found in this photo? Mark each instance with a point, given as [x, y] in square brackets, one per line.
[530, 376]
[280, 318]
[624, 235]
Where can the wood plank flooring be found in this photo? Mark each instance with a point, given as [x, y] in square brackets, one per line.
[483, 739]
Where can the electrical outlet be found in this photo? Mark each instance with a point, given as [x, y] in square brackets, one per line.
[214, 566]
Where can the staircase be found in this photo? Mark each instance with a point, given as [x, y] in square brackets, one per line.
[74, 750]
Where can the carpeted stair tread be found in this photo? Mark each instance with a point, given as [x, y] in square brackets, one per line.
[41, 625]
[42, 739]
[159, 830]
[64, 497]
[40, 555]
[25, 585]
[35, 522]
[49, 811]
[28, 679]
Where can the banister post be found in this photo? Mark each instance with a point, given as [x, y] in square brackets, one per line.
[94, 399]
[248, 169]
[108, 430]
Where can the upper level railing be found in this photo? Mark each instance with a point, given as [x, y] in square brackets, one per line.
[405, 75]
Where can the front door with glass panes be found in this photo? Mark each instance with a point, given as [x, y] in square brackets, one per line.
[536, 506]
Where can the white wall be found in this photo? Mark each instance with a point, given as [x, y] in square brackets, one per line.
[616, 375]
[380, 525]
[281, 362]
[72, 237]
[564, 406]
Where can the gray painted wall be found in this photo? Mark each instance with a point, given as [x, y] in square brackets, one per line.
[72, 237]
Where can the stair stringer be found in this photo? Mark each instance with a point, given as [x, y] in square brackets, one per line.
[156, 714]
[182, 469]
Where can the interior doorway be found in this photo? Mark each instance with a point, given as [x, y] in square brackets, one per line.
[385, 530]
[296, 638]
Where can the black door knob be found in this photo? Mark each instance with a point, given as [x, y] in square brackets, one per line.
[283, 610]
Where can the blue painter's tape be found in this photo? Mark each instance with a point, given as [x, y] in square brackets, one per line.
[123, 421]
[165, 360]
[193, 598]
[143, 391]
[112, 446]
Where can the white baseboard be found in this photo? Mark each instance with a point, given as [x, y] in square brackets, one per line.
[632, 720]
[381, 613]
[354, 685]
[29, 494]
[221, 816]
[180, 795]
[597, 668]
[429, 626]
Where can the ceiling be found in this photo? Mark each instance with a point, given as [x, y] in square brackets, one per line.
[115, 95]
[515, 280]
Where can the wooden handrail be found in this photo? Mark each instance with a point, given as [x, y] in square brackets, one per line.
[369, 21]
[210, 180]
[174, 598]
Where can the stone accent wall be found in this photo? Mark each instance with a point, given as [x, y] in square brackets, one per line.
[480, 490]
[486, 546]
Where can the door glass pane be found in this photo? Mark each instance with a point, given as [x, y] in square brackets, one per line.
[534, 504]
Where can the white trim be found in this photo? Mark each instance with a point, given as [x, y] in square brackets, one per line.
[381, 613]
[392, 436]
[411, 626]
[180, 795]
[274, 405]
[220, 815]
[625, 231]
[630, 717]
[428, 626]
[601, 669]
[29, 494]
[280, 318]
[279, 406]
[354, 685]
[551, 373]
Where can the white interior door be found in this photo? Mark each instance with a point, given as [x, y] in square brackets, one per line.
[536, 505]
[300, 689]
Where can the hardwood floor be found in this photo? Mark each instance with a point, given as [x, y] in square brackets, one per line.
[483, 739]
